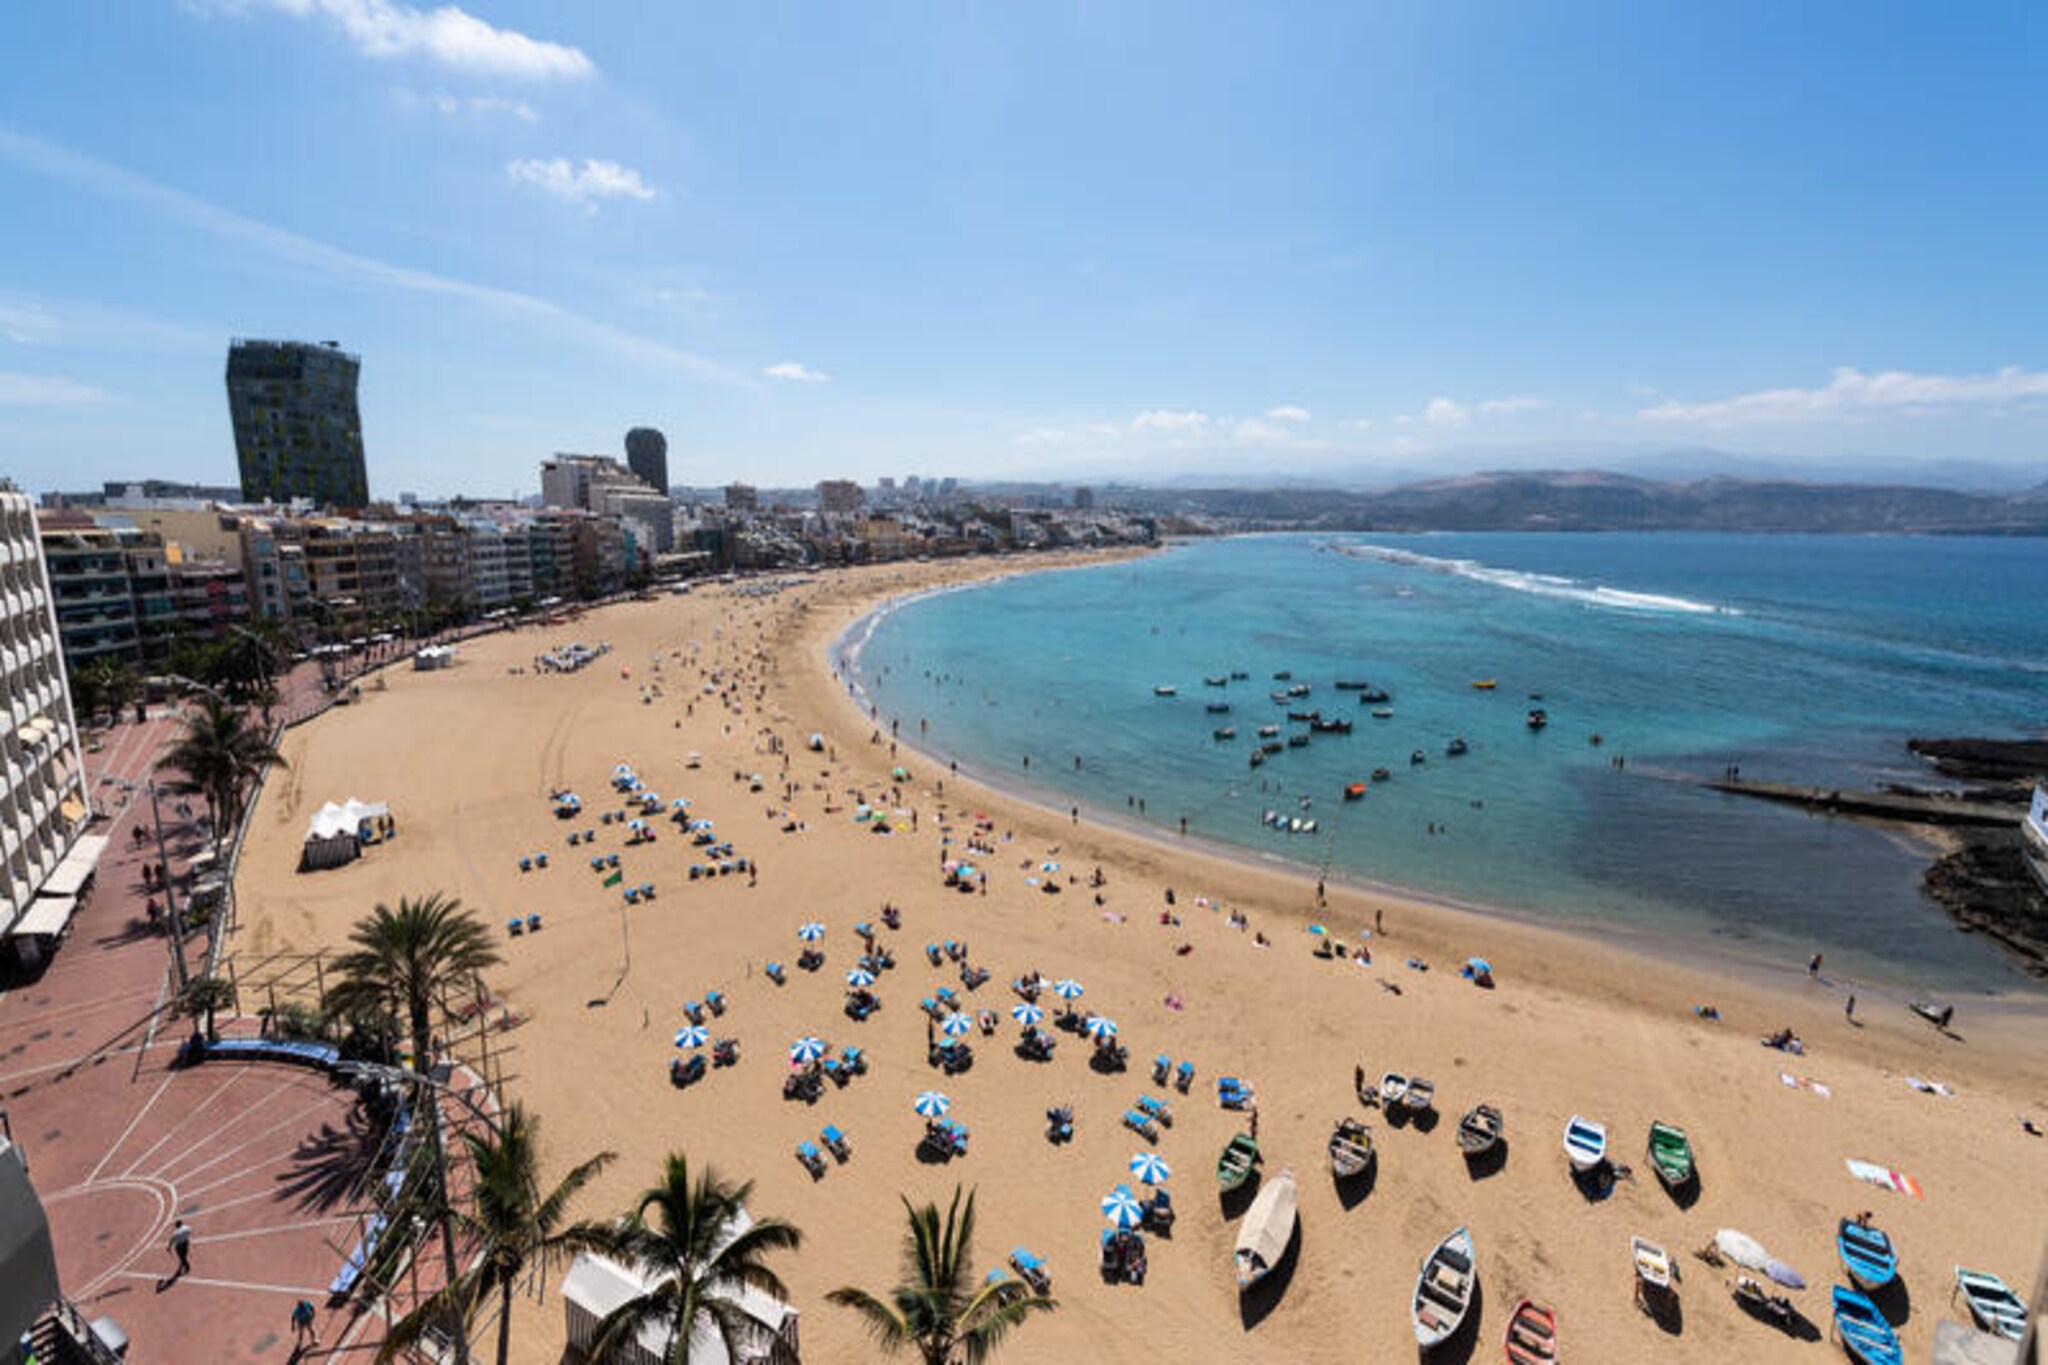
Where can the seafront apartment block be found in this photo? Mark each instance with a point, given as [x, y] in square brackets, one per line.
[43, 799]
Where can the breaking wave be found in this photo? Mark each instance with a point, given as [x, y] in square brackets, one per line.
[1540, 584]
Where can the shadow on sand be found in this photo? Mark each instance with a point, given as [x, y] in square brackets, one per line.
[1490, 1162]
[1263, 1297]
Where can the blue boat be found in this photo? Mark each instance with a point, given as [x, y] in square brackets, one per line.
[1866, 1254]
[1863, 1332]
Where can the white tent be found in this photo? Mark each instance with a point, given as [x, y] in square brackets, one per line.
[334, 834]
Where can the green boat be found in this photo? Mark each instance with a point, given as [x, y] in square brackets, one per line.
[1235, 1166]
[1671, 1154]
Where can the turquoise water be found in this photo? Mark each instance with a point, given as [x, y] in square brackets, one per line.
[1807, 659]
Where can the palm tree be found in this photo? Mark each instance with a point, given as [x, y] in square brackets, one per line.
[939, 1307]
[219, 755]
[204, 995]
[405, 958]
[701, 1250]
[514, 1226]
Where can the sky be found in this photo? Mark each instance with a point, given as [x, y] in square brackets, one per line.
[1079, 241]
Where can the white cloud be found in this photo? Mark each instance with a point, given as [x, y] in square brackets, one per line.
[803, 374]
[1088, 433]
[1495, 406]
[1287, 412]
[1259, 431]
[1356, 424]
[449, 36]
[476, 106]
[47, 391]
[1181, 423]
[551, 319]
[582, 186]
[1442, 412]
[1852, 393]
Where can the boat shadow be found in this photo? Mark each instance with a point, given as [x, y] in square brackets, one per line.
[1490, 1162]
[1352, 1189]
[1596, 1185]
[1255, 1303]
[1459, 1347]
[1664, 1308]
[1426, 1120]
[1235, 1202]
[1895, 1301]
[1687, 1194]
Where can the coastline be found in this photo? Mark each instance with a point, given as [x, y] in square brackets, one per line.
[1667, 948]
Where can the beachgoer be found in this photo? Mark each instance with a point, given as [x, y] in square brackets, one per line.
[181, 1247]
[1849, 1010]
[1813, 967]
[305, 1332]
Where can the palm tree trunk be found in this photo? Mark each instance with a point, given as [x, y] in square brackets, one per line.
[505, 1324]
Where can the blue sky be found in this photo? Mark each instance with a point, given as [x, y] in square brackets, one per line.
[1059, 240]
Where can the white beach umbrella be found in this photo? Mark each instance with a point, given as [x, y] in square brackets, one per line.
[1068, 989]
[812, 932]
[1122, 1208]
[692, 1035]
[806, 1050]
[860, 978]
[931, 1104]
[955, 1025]
[1027, 1015]
[1150, 1167]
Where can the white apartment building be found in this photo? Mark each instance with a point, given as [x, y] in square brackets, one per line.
[44, 861]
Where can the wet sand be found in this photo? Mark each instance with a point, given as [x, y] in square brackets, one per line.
[1576, 1025]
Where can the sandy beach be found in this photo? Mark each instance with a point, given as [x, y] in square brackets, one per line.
[741, 676]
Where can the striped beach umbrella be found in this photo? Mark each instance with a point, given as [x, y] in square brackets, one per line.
[1028, 1015]
[812, 932]
[931, 1104]
[806, 1050]
[1150, 1167]
[1122, 1208]
[955, 1025]
[860, 978]
[1068, 989]
[1101, 1028]
[692, 1035]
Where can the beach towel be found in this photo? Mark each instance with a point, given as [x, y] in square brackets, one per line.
[1885, 1178]
[1806, 1083]
[615, 878]
[1940, 1088]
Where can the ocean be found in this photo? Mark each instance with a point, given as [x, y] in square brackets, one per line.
[1806, 659]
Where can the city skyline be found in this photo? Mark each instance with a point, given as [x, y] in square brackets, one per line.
[1070, 244]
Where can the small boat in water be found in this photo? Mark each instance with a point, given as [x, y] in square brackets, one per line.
[1258, 757]
[1239, 675]
[1330, 727]
[1443, 1291]
[1532, 1334]
[1267, 1229]
[1215, 680]
[1484, 685]
[1382, 775]
[1671, 1155]
[1456, 747]
[1350, 1148]
[1283, 675]
[1866, 1252]
[1373, 696]
[1165, 691]
[1349, 685]
[1865, 1334]
[1417, 759]
[1218, 708]
[1585, 1142]
[1382, 714]
[1298, 690]
[1227, 732]
[1268, 731]
[1479, 1131]
[1355, 792]
[1297, 741]
[1306, 717]
[1538, 718]
[1993, 1305]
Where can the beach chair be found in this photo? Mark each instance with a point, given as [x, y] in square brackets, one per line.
[859, 1005]
[834, 1072]
[725, 1052]
[1184, 1077]
[775, 973]
[686, 1071]
[1141, 1124]
[865, 932]
[526, 864]
[946, 997]
[1233, 1093]
[814, 1162]
[632, 895]
[696, 871]
[836, 1143]
[715, 1001]
[693, 1011]
[533, 924]
[597, 863]
[1161, 1065]
[1159, 1211]
[647, 890]
[810, 959]
[611, 860]
[932, 954]
[575, 838]
[931, 1007]
[1031, 1269]
[957, 1133]
[515, 926]
[1111, 1260]
[540, 860]
[1157, 1108]
[1004, 1289]
[853, 1060]
[1059, 1124]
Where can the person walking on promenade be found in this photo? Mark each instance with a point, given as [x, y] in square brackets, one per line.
[305, 1331]
[181, 1247]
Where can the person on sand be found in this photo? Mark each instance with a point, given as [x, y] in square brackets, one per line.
[1849, 1009]
[1813, 967]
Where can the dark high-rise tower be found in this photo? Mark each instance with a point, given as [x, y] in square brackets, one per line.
[297, 431]
[647, 455]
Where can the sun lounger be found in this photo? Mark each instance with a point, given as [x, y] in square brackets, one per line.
[1141, 1124]
[807, 1153]
[533, 924]
[1184, 1077]
[526, 864]
[836, 1143]
[715, 1000]
[853, 1061]
[693, 1011]
[947, 998]
[540, 860]
[1233, 1093]
[932, 955]
[1156, 1108]
[1161, 1066]
[515, 926]
[834, 1072]
[775, 973]
[1159, 1211]
[683, 1071]
[1031, 1269]
[931, 1007]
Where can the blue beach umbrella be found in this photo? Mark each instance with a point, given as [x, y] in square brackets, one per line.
[1027, 1015]
[955, 1025]
[1122, 1208]
[1101, 1028]
[812, 932]
[692, 1035]
[1150, 1167]
[860, 978]
[1068, 989]
[931, 1104]
[806, 1050]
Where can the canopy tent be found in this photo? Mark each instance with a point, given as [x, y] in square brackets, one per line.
[77, 868]
[334, 834]
[45, 917]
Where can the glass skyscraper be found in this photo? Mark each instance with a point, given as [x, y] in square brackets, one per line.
[297, 431]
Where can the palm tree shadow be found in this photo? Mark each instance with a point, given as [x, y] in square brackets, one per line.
[330, 1166]
[1255, 1303]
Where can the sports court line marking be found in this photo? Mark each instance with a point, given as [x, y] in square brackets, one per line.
[140, 1114]
[274, 1196]
[296, 1117]
[295, 1290]
[213, 1238]
[199, 1109]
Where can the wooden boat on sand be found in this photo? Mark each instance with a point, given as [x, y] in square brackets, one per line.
[1479, 1131]
[1671, 1155]
[1267, 1229]
[1393, 1087]
[1419, 1096]
[1867, 1254]
[1585, 1142]
[1443, 1291]
[1993, 1305]
[1863, 1331]
[1239, 1158]
[1350, 1148]
[1532, 1334]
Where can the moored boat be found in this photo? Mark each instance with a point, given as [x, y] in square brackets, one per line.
[1484, 685]
[1258, 757]
[1864, 1333]
[1538, 718]
[1165, 691]
[1234, 1166]
[1268, 731]
[1393, 1085]
[1585, 1142]
[1227, 732]
[1297, 741]
[1267, 1229]
[1216, 680]
[1354, 792]
[1382, 775]
[1218, 708]
[1532, 1334]
[1374, 696]
[1993, 1305]
[1479, 1131]
[1417, 759]
[1456, 746]
[1671, 1155]
[1867, 1254]
[1443, 1291]
[1419, 1095]
[1350, 1148]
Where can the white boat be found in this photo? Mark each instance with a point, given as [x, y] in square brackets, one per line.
[1420, 1094]
[1585, 1142]
[1164, 691]
[1443, 1291]
[1393, 1089]
[1993, 1305]
[1267, 1229]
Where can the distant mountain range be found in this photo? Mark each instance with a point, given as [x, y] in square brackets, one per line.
[1597, 500]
